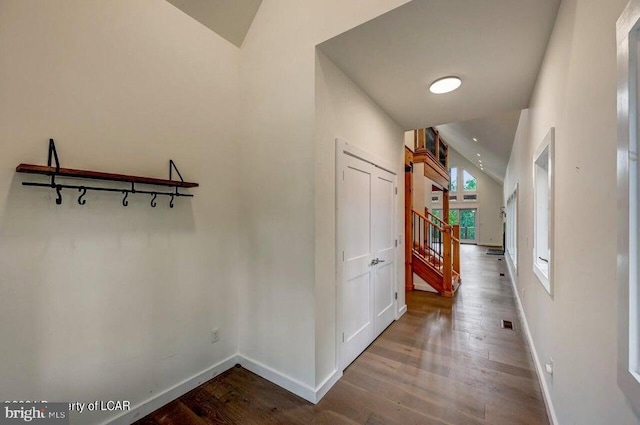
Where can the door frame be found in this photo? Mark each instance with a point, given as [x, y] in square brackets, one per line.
[628, 41]
[345, 148]
[469, 241]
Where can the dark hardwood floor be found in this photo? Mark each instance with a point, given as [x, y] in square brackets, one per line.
[444, 362]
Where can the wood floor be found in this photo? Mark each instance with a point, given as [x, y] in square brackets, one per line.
[444, 362]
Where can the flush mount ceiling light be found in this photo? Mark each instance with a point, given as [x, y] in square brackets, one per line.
[445, 85]
[475, 140]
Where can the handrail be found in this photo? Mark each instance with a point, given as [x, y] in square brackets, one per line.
[428, 221]
[438, 246]
[437, 218]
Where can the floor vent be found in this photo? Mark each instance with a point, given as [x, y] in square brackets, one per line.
[507, 324]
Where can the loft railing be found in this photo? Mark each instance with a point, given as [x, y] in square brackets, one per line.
[428, 140]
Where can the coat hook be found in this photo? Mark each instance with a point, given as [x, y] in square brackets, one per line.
[83, 191]
[171, 202]
[153, 200]
[59, 198]
[124, 200]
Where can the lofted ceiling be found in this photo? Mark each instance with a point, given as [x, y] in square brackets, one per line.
[495, 46]
[494, 135]
[230, 19]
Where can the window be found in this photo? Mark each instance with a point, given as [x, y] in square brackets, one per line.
[454, 180]
[543, 211]
[511, 237]
[468, 225]
[430, 136]
[628, 275]
[470, 182]
[466, 218]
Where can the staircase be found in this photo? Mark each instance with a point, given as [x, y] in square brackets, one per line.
[436, 252]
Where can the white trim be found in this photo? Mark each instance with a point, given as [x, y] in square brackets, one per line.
[551, 412]
[511, 237]
[545, 275]
[313, 395]
[152, 404]
[280, 379]
[401, 311]
[627, 182]
[342, 146]
[362, 154]
[325, 386]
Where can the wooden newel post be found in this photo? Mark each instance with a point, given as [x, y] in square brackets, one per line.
[446, 259]
[419, 139]
[408, 221]
[456, 248]
[445, 206]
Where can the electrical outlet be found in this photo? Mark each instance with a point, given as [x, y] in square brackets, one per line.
[215, 337]
[549, 366]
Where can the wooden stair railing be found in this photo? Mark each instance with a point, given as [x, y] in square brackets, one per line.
[437, 244]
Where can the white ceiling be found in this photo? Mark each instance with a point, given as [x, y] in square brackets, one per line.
[495, 136]
[495, 46]
[230, 19]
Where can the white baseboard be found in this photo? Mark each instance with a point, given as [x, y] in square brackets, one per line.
[298, 388]
[402, 311]
[326, 385]
[290, 384]
[154, 403]
[551, 412]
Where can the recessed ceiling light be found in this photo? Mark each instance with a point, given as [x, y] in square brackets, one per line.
[475, 140]
[445, 85]
[478, 154]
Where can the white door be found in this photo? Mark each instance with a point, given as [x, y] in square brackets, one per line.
[384, 249]
[366, 273]
[356, 288]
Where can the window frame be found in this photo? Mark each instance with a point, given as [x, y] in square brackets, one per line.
[512, 227]
[628, 42]
[465, 191]
[452, 177]
[542, 272]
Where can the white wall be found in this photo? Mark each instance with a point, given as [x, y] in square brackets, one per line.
[576, 94]
[277, 75]
[344, 111]
[489, 219]
[101, 301]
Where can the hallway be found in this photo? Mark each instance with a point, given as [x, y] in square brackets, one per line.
[447, 361]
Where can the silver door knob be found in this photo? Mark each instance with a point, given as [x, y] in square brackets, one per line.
[374, 262]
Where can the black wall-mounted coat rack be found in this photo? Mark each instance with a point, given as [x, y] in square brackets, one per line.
[54, 170]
